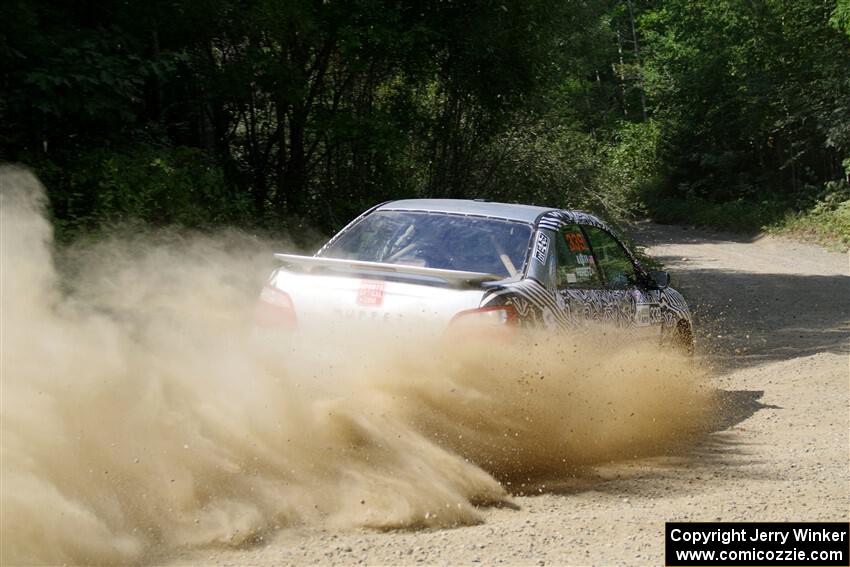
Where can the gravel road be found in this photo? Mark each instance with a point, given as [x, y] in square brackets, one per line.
[773, 320]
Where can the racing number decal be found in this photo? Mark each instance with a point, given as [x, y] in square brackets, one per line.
[575, 241]
[371, 293]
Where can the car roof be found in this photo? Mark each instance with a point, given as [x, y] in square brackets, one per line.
[524, 213]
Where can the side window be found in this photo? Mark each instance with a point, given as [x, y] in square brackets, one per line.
[576, 266]
[615, 264]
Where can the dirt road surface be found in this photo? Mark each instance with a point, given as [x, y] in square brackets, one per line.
[773, 319]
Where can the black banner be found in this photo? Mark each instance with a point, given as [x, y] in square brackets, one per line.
[821, 544]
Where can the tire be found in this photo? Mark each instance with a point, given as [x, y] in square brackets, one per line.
[683, 338]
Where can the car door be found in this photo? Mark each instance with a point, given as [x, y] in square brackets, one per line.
[627, 299]
[579, 285]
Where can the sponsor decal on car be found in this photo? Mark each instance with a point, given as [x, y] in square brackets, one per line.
[584, 273]
[354, 314]
[541, 248]
[371, 293]
[575, 241]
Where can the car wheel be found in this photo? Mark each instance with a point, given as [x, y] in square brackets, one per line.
[683, 338]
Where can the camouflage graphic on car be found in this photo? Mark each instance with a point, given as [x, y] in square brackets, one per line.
[539, 302]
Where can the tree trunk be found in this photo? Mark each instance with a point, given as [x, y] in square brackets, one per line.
[637, 58]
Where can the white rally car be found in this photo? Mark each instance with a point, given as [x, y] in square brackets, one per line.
[443, 263]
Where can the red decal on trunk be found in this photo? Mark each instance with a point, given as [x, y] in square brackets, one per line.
[371, 293]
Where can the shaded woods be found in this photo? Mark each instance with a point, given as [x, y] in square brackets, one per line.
[271, 113]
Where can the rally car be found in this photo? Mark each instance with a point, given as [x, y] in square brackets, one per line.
[448, 263]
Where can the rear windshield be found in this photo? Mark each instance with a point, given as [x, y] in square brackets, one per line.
[436, 240]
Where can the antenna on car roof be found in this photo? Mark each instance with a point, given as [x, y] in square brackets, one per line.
[481, 200]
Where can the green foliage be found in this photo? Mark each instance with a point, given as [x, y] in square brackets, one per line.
[631, 166]
[539, 164]
[267, 113]
[826, 219]
[162, 187]
[819, 214]
[147, 184]
[749, 99]
[840, 19]
[91, 79]
[740, 215]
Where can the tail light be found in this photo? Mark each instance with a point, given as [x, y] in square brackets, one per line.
[496, 321]
[274, 309]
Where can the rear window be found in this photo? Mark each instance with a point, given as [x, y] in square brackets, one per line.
[436, 240]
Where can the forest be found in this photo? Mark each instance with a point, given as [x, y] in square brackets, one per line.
[273, 115]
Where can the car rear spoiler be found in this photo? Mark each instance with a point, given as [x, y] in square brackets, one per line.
[453, 278]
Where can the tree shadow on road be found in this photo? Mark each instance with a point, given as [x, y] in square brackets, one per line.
[744, 319]
[676, 467]
[678, 234]
[733, 407]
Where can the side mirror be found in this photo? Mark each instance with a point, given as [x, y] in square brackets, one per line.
[660, 279]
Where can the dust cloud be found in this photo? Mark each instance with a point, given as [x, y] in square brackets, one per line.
[141, 413]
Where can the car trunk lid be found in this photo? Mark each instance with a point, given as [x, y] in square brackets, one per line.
[331, 292]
